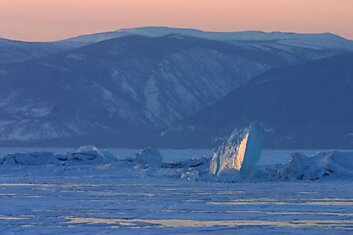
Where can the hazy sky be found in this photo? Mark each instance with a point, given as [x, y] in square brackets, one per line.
[56, 19]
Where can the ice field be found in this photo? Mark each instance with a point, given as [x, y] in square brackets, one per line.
[122, 199]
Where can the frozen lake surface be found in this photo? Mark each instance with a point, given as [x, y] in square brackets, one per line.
[98, 200]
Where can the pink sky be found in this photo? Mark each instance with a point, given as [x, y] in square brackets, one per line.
[44, 20]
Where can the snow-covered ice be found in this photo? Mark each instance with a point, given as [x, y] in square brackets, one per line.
[108, 193]
[302, 167]
[149, 158]
[84, 155]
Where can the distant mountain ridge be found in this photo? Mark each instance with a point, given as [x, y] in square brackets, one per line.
[16, 51]
[318, 40]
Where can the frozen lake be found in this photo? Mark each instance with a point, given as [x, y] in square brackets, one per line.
[35, 200]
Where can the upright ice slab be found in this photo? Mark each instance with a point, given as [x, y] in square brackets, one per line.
[239, 155]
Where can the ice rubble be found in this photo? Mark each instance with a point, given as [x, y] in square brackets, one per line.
[84, 155]
[35, 158]
[234, 161]
[91, 154]
[149, 158]
[239, 155]
[331, 163]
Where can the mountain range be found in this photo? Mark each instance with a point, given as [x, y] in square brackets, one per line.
[176, 88]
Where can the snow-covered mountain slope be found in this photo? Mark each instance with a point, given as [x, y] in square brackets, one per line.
[315, 41]
[134, 84]
[15, 51]
[124, 91]
[308, 105]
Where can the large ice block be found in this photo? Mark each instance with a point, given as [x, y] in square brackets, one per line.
[239, 155]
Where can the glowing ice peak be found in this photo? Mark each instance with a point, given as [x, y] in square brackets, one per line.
[240, 153]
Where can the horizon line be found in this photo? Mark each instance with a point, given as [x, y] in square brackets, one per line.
[170, 27]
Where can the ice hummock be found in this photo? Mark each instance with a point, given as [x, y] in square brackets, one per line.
[241, 152]
[239, 155]
[149, 158]
[83, 155]
[323, 164]
[29, 159]
[92, 154]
